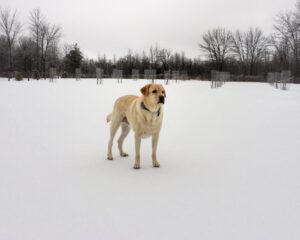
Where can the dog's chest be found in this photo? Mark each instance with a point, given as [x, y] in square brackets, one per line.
[150, 125]
[151, 119]
[147, 131]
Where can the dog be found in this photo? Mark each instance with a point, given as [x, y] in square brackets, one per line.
[143, 114]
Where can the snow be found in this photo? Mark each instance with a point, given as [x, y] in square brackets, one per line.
[229, 164]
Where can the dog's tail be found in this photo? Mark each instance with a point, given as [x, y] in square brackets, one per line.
[108, 117]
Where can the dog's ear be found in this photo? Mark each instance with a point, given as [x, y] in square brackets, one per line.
[145, 90]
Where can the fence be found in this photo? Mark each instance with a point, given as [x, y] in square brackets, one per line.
[219, 78]
[280, 80]
[150, 74]
[118, 74]
[273, 78]
[135, 74]
[99, 75]
[78, 74]
[52, 74]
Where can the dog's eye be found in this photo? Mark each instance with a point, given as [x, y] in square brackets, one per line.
[154, 91]
[163, 92]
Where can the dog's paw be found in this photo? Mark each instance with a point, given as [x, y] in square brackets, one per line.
[156, 164]
[110, 158]
[136, 166]
[124, 155]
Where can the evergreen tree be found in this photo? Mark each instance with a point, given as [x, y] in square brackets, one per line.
[73, 60]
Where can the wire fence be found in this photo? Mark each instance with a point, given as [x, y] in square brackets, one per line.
[219, 78]
[280, 80]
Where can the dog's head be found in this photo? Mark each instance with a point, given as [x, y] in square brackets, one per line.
[154, 93]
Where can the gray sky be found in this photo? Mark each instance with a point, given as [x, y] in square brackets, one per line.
[114, 26]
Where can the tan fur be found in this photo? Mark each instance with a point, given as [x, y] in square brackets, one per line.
[128, 113]
[108, 118]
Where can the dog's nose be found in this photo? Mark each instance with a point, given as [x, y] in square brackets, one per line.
[161, 99]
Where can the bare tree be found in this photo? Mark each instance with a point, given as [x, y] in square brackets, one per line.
[164, 58]
[288, 31]
[130, 60]
[154, 56]
[249, 48]
[297, 12]
[45, 37]
[68, 47]
[216, 44]
[10, 27]
[49, 36]
[36, 22]
[25, 53]
[282, 53]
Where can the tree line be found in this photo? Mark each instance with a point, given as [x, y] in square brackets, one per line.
[250, 55]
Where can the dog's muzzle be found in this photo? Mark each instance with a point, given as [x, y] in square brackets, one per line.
[161, 99]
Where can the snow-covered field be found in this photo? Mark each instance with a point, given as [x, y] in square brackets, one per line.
[230, 164]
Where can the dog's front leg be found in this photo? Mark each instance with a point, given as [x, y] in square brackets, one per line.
[154, 149]
[138, 140]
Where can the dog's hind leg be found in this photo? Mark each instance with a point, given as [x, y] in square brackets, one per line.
[115, 124]
[125, 130]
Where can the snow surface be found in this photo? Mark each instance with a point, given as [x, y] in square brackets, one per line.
[229, 157]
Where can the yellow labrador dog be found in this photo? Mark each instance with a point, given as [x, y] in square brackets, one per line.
[143, 114]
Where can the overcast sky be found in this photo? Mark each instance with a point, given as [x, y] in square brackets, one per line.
[114, 26]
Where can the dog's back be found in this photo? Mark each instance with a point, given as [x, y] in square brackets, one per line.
[121, 106]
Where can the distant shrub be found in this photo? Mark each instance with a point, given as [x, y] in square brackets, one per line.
[64, 75]
[36, 74]
[18, 76]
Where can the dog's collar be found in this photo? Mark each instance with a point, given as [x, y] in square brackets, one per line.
[145, 108]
